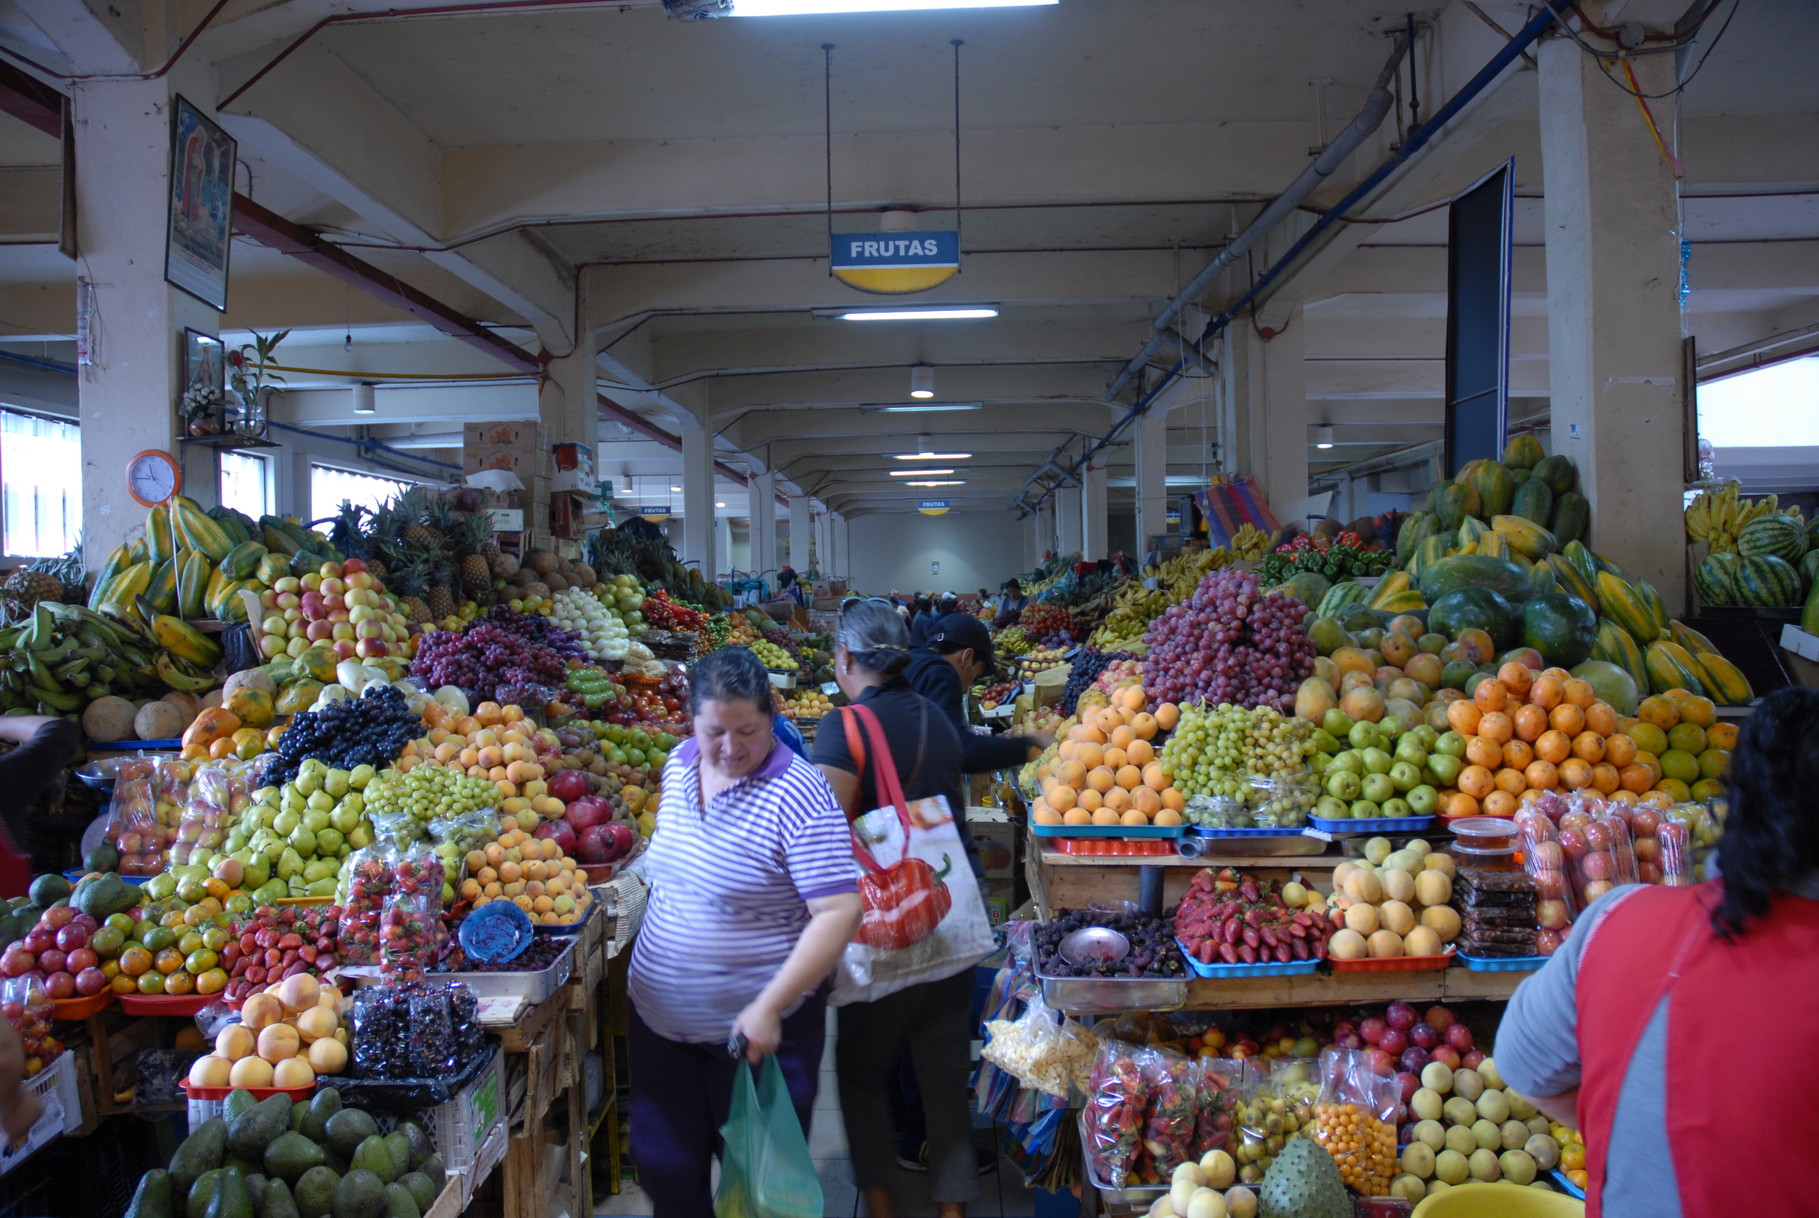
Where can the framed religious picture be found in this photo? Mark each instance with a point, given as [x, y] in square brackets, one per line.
[204, 398]
[200, 229]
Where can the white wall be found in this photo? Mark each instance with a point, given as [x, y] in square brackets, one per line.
[892, 551]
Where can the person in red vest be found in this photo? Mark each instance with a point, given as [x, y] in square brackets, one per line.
[1635, 1032]
[45, 745]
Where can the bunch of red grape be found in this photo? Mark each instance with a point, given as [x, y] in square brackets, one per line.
[494, 661]
[1229, 643]
[662, 613]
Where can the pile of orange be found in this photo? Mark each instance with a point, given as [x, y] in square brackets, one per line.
[1531, 732]
[1106, 772]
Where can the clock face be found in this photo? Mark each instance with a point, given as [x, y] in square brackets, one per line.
[152, 478]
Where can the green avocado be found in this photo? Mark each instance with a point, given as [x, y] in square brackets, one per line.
[361, 1194]
[290, 1155]
[232, 1199]
[278, 1202]
[315, 1193]
[421, 1145]
[239, 1102]
[101, 858]
[152, 1199]
[399, 1146]
[259, 1126]
[422, 1188]
[325, 1104]
[255, 1185]
[48, 889]
[375, 1156]
[202, 1192]
[347, 1129]
[432, 1167]
[399, 1203]
[201, 1152]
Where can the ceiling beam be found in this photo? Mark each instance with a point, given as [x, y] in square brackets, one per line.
[30, 100]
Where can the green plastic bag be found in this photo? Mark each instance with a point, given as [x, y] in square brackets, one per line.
[765, 1169]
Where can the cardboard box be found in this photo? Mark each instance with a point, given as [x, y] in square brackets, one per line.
[821, 588]
[1802, 655]
[1000, 900]
[521, 448]
[995, 837]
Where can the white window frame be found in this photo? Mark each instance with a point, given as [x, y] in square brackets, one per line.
[70, 486]
[265, 478]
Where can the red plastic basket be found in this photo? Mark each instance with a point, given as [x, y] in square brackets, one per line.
[259, 1093]
[1394, 964]
[165, 1004]
[75, 1010]
[1110, 847]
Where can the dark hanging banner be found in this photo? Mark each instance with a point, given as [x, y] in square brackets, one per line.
[1480, 241]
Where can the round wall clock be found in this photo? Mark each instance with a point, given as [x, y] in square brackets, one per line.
[153, 477]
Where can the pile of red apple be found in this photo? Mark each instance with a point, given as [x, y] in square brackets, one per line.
[586, 830]
[340, 605]
[62, 949]
[1402, 1041]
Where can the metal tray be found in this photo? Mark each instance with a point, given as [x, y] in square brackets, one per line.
[536, 986]
[1112, 995]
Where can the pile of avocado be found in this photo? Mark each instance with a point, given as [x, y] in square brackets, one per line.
[309, 1159]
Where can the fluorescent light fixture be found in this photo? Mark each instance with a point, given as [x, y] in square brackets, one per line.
[939, 482]
[931, 456]
[676, 489]
[720, 505]
[931, 313]
[922, 381]
[1323, 437]
[918, 473]
[363, 398]
[800, 8]
[919, 407]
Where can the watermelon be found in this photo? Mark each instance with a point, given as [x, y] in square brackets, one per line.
[1809, 567]
[1347, 592]
[1561, 627]
[1479, 608]
[1812, 533]
[1534, 502]
[1714, 579]
[1572, 517]
[1500, 575]
[1767, 580]
[1772, 536]
[1558, 472]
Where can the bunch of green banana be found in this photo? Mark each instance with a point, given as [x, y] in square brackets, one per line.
[1716, 519]
[63, 657]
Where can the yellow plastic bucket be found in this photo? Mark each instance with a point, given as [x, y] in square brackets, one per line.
[1499, 1200]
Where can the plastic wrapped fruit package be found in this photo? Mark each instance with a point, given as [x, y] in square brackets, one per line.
[1556, 899]
[1113, 1119]
[382, 1033]
[1221, 1081]
[1355, 1120]
[29, 1009]
[412, 938]
[1675, 857]
[368, 878]
[1168, 1126]
[1279, 1105]
[210, 809]
[1616, 824]
[1283, 802]
[133, 826]
[416, 1031]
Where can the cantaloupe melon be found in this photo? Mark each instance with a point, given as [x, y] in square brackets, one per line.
[159, 721]
[109, 719]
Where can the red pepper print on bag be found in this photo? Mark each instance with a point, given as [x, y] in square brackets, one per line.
[904, 903]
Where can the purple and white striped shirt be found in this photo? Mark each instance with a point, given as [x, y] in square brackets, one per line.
[729, 889]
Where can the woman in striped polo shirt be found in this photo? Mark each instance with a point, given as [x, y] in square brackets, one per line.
[753, 899]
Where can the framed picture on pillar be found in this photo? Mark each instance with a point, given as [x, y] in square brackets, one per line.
[200, 229]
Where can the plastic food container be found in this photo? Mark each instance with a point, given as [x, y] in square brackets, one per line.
[207, 1102]
[1112, 995]
[1274, 968]
[1394, 964]
[1129, 831]
[1485, 832]
[1503, 859]
[1378, 824]
[75, 1010]
[1102, 847]
[1502, 964]
[166, 1004]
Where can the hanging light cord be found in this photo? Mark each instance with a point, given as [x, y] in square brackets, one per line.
[958, 43]
[827, 129]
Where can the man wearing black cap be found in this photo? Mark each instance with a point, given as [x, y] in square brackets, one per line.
[958, 656]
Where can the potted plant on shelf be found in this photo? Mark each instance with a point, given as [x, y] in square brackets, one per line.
[249, 371]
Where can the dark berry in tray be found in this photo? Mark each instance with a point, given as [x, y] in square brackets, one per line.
[1153, 952]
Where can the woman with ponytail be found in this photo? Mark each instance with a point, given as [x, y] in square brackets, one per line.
[1672, 1015]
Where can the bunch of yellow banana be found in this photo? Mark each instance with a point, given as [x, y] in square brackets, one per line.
[1137, 605]
[1251, 543]
[1717, 518]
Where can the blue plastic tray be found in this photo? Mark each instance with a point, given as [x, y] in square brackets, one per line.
[1201, 831]
[1566, 1184]
[1294, 968]
[132, 746]
[1107, 830]
[76, 877]
[1380, 824]
[1502, 964]
[573, 928]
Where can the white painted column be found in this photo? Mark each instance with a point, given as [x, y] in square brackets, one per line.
[1067, 520]
[698, 531]
[723, 545]
[128, 398]
[1614, 322]
[800, 556]
[1095, 527]
[1045, 527]
[763, 496]
[1278, 414]
[1152, 476]
[843, 546]
[567, 410]
[1032, 541]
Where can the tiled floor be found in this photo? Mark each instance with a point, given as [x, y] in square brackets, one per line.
[1001, 1194]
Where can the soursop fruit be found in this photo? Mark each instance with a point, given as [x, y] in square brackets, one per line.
[1303, 1182]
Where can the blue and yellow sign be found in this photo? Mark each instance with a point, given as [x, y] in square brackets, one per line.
[933, 507]
[656, 513]
[892, 264]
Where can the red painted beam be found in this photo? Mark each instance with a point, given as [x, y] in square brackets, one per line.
[30, 100]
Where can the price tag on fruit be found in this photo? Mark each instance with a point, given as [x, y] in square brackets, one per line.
[830, 688]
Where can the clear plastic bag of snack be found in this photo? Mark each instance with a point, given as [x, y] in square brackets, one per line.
[411, 935]
[1279, 1103]
[1168, 1127]
[1111, 1124]
[1043, 1050]
[382, 1034]
[1355, 1120]
[1220, 1082]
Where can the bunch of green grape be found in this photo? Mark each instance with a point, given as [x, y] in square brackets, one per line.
[1205, 754]
[430, 792]
[1277, 745]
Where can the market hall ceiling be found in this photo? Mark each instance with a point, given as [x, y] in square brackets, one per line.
[1109, 149]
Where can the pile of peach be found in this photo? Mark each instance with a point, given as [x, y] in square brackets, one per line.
[1106, 773]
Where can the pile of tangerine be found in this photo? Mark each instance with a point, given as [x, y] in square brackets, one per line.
[1527, 733]
[1106, 772]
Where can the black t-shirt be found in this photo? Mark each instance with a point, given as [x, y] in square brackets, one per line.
[923, 744]
[935, 679]
[29, 772]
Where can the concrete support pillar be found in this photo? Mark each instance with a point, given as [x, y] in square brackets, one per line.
[1278, 413]
[1095, 525]
[1032, 540]
[1045, 528]
[1614, 323]
[1152, 476]
[763, 491]
[567, 410]
[698, 532]
[128, 398]
[838, 556]
[1067, 519]
[801, 552]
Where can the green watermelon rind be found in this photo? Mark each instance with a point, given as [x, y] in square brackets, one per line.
[1767, 581]
[1714, 580]
[1775, 536]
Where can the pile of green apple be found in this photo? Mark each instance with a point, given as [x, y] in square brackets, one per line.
[299, 833]
[1368, 770]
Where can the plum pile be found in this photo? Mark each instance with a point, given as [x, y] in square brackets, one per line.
[1153, 952]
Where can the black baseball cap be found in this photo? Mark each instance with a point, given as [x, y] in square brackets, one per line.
[957, 632]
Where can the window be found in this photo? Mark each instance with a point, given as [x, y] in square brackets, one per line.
[1773, 407]
[41, 477]
[243, 485]
[330, 487]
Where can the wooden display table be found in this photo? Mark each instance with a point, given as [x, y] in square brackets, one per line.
[1058, 880]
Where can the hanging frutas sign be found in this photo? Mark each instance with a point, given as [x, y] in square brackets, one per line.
[895, 263]
[933, 507]
[656, 513]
